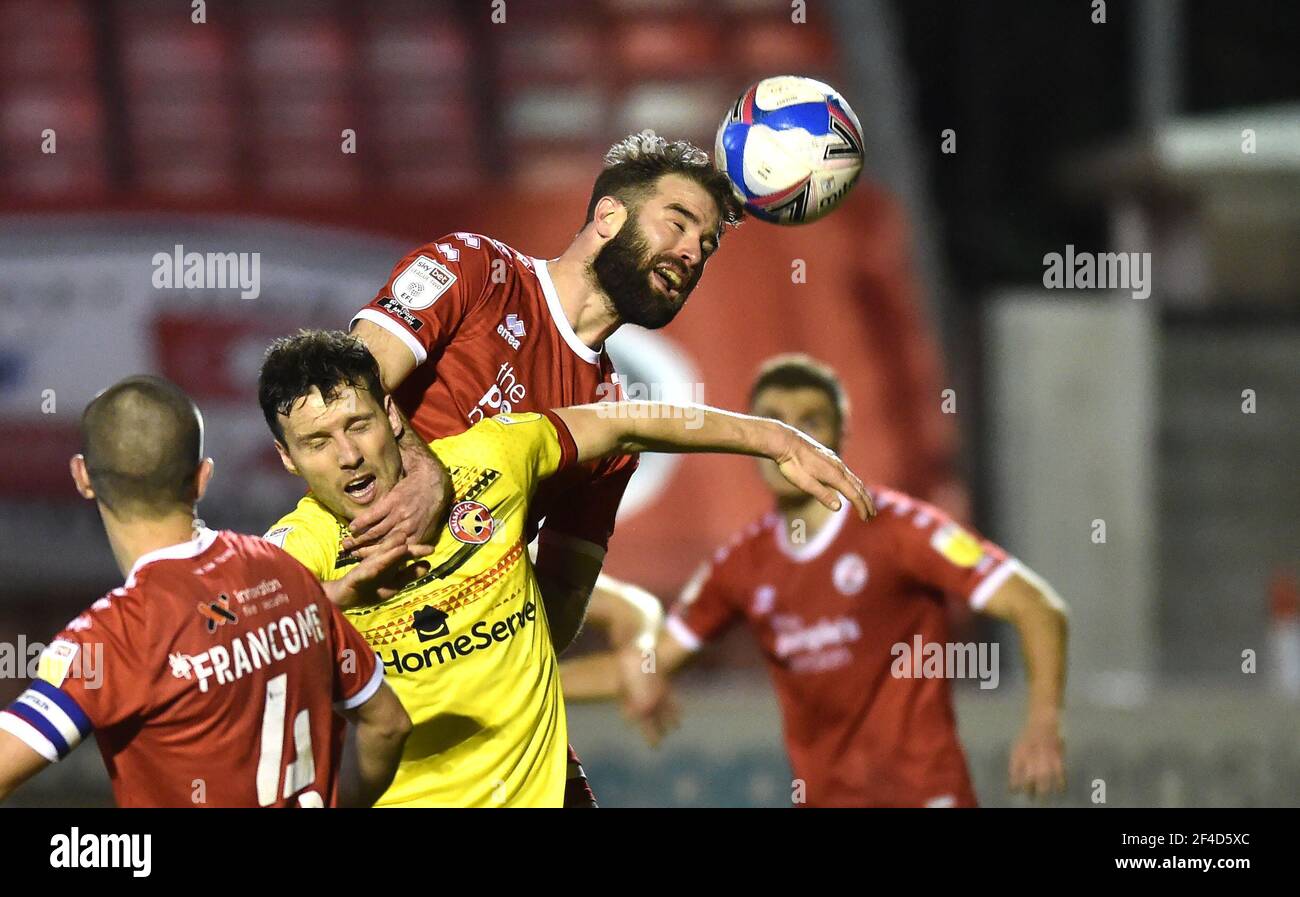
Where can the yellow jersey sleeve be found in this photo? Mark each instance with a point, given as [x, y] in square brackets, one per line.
[310, 535]
[526, 446]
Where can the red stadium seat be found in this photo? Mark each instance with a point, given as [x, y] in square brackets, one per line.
[778, 45]
[46, 41]
[656, 46]
[282, 52]
[560, 51]
[687, 109]
[417, 51]
[75, 117]
[573, 112]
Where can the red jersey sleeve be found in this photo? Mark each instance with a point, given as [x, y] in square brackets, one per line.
[357, 673]
[937, 552]
[704, 610]
[88, 677]
[568, 448]
[431, 291]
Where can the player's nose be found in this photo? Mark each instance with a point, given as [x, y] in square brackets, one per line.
[689, 253]
[350, 454]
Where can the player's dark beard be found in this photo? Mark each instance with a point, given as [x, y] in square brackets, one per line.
[622, 268]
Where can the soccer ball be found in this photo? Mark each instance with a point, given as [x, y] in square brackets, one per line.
[792, 148]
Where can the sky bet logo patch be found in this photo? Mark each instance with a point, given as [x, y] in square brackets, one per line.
[429, 623]
[423, 281]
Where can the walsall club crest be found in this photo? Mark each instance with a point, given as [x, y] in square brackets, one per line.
[470, 522]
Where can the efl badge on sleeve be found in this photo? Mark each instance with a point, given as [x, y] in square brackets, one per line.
[957, 545]
[56, 661]
[423, 281]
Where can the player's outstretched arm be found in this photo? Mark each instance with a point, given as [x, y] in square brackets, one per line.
[631, 618]
[1037, 764]
[373, 749]
[621, 671]
[18, 763]
[621, 428]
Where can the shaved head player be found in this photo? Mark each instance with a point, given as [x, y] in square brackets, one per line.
[212, 675]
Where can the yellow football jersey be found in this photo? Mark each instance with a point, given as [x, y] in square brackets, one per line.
[467, 647]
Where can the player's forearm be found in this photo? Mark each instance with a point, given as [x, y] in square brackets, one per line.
[566, 577]
[413, 447]
[630, 616]
[18, 763]
[566, 608]
[369, 763]
[697, 428]
[592, 677]
[620, 428]
[373, 748]
[1043, 630]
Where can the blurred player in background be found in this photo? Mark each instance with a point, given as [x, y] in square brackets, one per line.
[212, 676]
[467, 327]
[460, 633]
[830, 601]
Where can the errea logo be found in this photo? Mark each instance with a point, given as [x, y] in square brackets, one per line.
[512, 330]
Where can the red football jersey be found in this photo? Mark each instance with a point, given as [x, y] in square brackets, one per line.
[209, 679]
[828, 615]
[488, 334]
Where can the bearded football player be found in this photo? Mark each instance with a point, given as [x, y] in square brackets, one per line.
[467, 327]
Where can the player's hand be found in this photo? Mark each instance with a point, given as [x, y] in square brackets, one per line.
[818, 471]
[647, 698]
[1038, 760]
[379, 577]
[412, 512]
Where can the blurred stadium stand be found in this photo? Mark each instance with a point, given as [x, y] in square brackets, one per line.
[256, 98]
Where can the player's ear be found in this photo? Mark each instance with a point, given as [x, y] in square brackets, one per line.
[81, 476]
[609, 217]
[394, 417]
[285, 459]
[202, 478]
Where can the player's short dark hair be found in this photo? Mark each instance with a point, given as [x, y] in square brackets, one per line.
[798, 371]
[328, 360]
[143, 444]
[636, 163]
